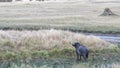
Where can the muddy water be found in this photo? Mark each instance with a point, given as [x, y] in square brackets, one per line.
[112, 39]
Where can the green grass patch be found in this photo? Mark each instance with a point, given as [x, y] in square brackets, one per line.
[57, 53]
[60, 58]
[75, 24]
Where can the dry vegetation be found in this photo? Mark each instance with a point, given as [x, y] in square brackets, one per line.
[47, 40]
[75, 16]
[48, 43]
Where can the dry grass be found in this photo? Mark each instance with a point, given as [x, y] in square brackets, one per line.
[47, 40]
[65, 15]
[19, 45]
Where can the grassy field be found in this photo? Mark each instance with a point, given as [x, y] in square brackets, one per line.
[48, 43]
[30, 43]
[74, 16]
[49, 48]
[62, 64]
[24, 37]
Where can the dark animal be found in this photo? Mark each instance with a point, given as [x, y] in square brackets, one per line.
[80, 51]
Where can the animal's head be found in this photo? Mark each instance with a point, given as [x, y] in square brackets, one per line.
[76, 44]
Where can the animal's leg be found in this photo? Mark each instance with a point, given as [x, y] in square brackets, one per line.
[80, 57]
[87, 55]
[84, 57]
[77, 57]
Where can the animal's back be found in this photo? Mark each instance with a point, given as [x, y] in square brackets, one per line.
[83, 50]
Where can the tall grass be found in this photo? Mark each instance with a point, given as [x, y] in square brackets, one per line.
[47, 43]
[47, 39]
